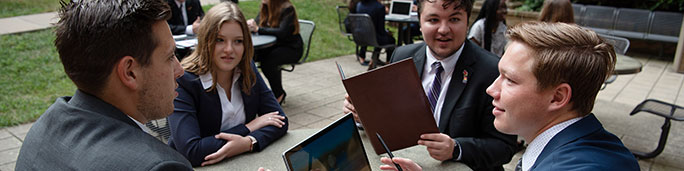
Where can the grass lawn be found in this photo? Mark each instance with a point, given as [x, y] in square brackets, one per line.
[12, 8]
[33, 76]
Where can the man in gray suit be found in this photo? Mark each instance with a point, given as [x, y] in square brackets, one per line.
[120, 55]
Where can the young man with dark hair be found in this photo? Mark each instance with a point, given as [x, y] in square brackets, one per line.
[120, 56]
[455, 74]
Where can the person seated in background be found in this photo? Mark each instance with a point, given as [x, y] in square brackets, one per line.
[278, 18]
[550, 76]
[412, 28]
[489, 28]
[185, 16]
[377, 13]
[223, 106]
[119, 54]
[557, 11]
[455, 74]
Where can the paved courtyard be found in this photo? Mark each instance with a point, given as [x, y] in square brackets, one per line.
[315, 95]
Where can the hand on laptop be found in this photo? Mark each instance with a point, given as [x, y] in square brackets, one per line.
[405, 164]
[349, 107]
[236, 145]
[439, 145]
[265, 120]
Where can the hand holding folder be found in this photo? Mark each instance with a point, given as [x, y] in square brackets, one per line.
[390, 100]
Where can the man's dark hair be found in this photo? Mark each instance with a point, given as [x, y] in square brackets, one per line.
[92, 35]
[467, 5]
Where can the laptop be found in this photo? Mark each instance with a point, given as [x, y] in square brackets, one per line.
[400, 9]
[338, 146]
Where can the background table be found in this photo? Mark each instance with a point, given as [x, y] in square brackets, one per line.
[186, 44]
[403, 22]
[271, 157]
[627, 65]
[261, 41]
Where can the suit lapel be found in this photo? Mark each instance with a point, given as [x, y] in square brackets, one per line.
[456, 86]
[419, 60]
[581, 128]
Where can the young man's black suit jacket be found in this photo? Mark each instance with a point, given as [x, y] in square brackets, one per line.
[467, 110]
[193, 9]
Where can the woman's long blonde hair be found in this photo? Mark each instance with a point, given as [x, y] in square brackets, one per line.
[200, 61]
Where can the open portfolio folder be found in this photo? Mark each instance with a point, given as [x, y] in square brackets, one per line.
[390, 101]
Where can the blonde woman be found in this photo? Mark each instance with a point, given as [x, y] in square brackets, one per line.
[223, 107]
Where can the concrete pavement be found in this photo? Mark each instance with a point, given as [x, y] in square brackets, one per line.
[315, 95]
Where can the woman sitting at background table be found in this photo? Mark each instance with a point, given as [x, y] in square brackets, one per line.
[489, 28]
[557, 11]
[278, 18]
[223, 106]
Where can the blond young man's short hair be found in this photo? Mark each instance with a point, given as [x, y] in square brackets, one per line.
[567, 53]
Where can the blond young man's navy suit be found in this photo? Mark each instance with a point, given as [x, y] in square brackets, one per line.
[467, 110]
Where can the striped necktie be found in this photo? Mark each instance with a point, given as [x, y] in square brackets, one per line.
[436, 88]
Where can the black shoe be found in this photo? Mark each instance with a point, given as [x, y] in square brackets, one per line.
[364, 63]
[283, 99]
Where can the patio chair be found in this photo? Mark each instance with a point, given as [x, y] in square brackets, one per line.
[306, 30]
[363, 33]
[665, 110]
[620, 45]
[342, 13]
[159, 129]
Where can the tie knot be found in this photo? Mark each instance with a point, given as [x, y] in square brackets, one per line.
[438, 67]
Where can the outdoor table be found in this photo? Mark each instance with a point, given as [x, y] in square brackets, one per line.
[627, 65]
[402, 22]
[259, 41]
[271, 156]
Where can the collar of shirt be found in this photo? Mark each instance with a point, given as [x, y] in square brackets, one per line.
[207, 80]
[232, 111]
[178, 3]
[143, 127]
[537, 145]
[448, 63]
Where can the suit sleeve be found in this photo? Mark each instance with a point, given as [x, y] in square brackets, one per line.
[286, 26]
[185, 128]
[267, 104]
[489, 148]
[170, 165]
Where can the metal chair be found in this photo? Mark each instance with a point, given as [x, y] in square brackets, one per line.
[160, 129]
[620, 45]
[342, 13]
[306, 30]
[665, 110]
[363, 33]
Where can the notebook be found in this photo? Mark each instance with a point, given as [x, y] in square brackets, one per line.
[390, 101]
[400, 9]
[338, 146]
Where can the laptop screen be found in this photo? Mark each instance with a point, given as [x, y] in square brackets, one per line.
[336, 147]
[401, 7]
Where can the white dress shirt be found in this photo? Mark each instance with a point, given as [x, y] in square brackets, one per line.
[429, 72]
[233, 110]
[537, 145]
[142, 126]
[498, 37]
